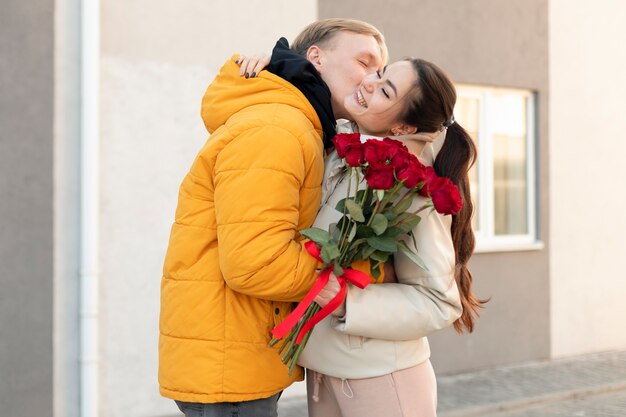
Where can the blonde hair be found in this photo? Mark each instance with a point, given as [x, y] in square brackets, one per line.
[322, 32]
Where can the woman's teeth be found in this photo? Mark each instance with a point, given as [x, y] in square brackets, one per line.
[360, 99]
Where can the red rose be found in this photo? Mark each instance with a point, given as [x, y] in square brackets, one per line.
[382, 151]
[349, 146]
[395, 145]
[344, 141]
[354, 156]
[429, 176]
[412, 173]
[379, 176]
[446, 197]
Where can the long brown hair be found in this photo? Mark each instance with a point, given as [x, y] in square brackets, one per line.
[430, 108]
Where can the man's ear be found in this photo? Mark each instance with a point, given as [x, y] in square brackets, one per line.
[403, 129]
[314, 55]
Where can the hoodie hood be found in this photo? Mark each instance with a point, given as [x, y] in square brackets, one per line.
[229, 93]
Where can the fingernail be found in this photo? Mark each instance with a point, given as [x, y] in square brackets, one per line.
[247, 75]
[253, 74]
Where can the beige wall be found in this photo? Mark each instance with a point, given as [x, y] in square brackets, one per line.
[157, 60]
[587, 225]
[490, 42]
[26, 202]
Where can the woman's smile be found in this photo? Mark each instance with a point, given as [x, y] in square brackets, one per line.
[358, 96]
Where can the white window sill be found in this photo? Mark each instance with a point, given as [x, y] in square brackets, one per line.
[492, 247]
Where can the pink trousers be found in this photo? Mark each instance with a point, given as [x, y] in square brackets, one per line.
[410, 392]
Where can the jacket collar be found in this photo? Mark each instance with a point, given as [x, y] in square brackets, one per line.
[298, 71]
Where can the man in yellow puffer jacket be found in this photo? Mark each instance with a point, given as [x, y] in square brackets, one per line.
[236, 262]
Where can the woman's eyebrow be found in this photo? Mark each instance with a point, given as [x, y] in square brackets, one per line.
[389, 83]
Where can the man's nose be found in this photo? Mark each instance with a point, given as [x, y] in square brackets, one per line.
[369, 84]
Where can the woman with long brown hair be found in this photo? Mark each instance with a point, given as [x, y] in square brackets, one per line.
[371, 356]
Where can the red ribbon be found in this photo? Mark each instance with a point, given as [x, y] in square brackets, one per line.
[352, 276]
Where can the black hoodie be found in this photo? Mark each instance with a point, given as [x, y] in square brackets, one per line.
[298, 71]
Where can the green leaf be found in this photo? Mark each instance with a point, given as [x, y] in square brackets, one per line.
[352, 233]
[383, 243]
[411, 255]
[393, 232]
[380, 256]
[343, 222]
[379, 224]
[389, 215]
[368, 251]
[375, 270]
[355, 211]
[334, 231]
[402, 206]
[329, 252]
[410, 222]
[341, 204]
[380, 194]
[399, 218]
[364, 231]
[317, 235]
[337, 270]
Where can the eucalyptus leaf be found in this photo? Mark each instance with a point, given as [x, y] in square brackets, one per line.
[316, 234]
[355, 211]
[364, 231]
[337, 270]
[329, 252]
[379, 224]
[352, 233]
[410, 223]
[411, 255]
[402, 206]
[340, 205]
[393, 232]
[400, 218]
[368, 251]
[375, 270]
[383, 243]
[380, 256]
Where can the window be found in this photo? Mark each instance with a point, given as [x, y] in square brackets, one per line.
[502, 123]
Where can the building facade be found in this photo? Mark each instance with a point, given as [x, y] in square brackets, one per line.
[99, 122]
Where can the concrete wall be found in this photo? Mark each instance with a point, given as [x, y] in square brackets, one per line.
[587, 58]
[488, 42]
[26, 222]
[156, 64]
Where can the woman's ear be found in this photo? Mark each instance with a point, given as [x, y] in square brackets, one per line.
[403, 129]
[314, 55]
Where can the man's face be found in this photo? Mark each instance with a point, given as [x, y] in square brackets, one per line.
[343, 64]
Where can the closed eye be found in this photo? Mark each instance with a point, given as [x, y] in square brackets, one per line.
[382, 89]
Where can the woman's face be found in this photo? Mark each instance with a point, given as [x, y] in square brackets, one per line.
[375, 106]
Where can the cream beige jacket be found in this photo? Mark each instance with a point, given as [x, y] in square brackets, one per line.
[385, 325]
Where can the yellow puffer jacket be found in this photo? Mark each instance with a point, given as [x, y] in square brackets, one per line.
[236, 262]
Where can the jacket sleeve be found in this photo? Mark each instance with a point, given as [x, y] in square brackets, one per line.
[422, 301]
[259, 178]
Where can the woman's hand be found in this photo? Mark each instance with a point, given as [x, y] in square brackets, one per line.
[416, 142]
[250, 66]
[328, 293]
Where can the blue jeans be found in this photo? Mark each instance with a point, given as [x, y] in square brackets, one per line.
[264, 407]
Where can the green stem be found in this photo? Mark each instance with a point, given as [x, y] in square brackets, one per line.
[300, 347]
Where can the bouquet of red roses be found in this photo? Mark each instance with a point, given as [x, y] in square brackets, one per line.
[374, 224]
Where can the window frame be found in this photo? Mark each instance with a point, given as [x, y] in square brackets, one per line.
[486, 239]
